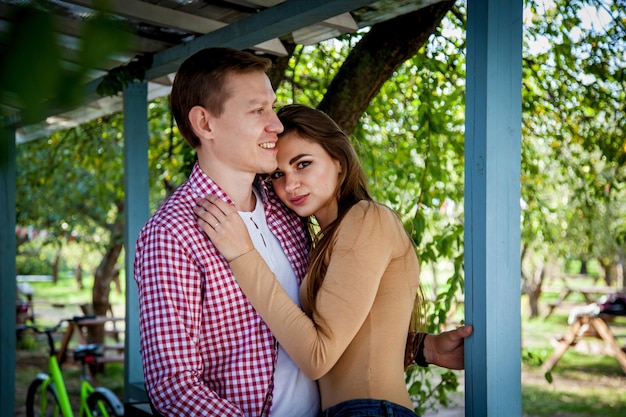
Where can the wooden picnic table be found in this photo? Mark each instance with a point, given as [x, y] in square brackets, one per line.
[587, 326]
[590, 294]
[77, 328]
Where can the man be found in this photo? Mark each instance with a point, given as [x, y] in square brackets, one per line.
[205, 350]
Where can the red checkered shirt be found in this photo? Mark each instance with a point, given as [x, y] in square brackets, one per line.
[205, 350]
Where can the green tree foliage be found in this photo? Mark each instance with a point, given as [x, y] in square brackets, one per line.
[574, 150]
[77, 172]
[71, 185]
[170, 157]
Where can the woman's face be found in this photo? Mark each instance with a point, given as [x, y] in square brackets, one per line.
[307, 178]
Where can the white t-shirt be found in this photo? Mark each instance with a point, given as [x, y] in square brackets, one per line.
[295, 395]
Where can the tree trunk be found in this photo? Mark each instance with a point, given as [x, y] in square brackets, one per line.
[374, 59]
[78, 274]
[103, 276]
[535, 288]
[614, 274]
[605, 274]
[534, 293]
[280, 65]
[533, 281]
[621, 282]
[56, 264]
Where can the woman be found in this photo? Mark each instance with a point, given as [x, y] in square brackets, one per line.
[360, 289]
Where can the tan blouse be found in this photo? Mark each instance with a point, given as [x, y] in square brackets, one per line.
[355, 342]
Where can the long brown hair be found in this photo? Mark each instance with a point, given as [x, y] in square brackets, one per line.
[315, 126]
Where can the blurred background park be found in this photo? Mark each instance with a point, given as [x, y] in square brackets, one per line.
[410, 139]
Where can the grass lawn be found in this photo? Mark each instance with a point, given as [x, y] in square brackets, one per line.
[54, 301]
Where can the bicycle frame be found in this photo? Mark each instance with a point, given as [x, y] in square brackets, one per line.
[85, 390]
[54, 382]
[55, 379]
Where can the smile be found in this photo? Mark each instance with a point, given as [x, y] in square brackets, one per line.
[268, 145]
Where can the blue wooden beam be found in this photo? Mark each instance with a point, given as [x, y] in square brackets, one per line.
[136, 212]
[7, 266]
[492, 208]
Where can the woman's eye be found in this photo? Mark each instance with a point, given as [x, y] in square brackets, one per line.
[303, 164]
[276, 175]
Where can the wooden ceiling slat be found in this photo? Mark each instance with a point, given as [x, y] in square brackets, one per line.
[158, 15]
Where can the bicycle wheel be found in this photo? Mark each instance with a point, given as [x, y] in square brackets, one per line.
[40, 404]
[100, 405]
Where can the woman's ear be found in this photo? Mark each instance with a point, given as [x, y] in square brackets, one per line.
[199, 119]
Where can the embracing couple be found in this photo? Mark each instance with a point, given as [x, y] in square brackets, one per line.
[270, 283]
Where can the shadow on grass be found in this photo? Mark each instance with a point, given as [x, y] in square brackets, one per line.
[583, 385]
[537, 401]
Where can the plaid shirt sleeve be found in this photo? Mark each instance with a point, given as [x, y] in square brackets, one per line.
[170, 311]
[205, 350]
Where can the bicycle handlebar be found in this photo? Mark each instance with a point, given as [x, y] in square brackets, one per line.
[49, 330]
[39, 329]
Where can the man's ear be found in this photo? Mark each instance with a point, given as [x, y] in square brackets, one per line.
[199, 119]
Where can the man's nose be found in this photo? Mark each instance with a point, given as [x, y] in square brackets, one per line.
[274, 125]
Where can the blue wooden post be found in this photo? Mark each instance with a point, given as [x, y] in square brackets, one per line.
[136, 210]
[7, 266]
[492, 208]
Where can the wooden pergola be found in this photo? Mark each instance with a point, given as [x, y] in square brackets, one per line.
[492, 182]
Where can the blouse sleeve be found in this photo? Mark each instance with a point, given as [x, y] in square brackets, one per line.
[362, 251]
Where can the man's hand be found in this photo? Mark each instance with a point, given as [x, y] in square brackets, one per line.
[444, 349]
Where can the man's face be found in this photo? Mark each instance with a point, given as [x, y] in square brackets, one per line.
[246, 132]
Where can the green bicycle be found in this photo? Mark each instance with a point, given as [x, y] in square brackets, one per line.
[47, 395]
